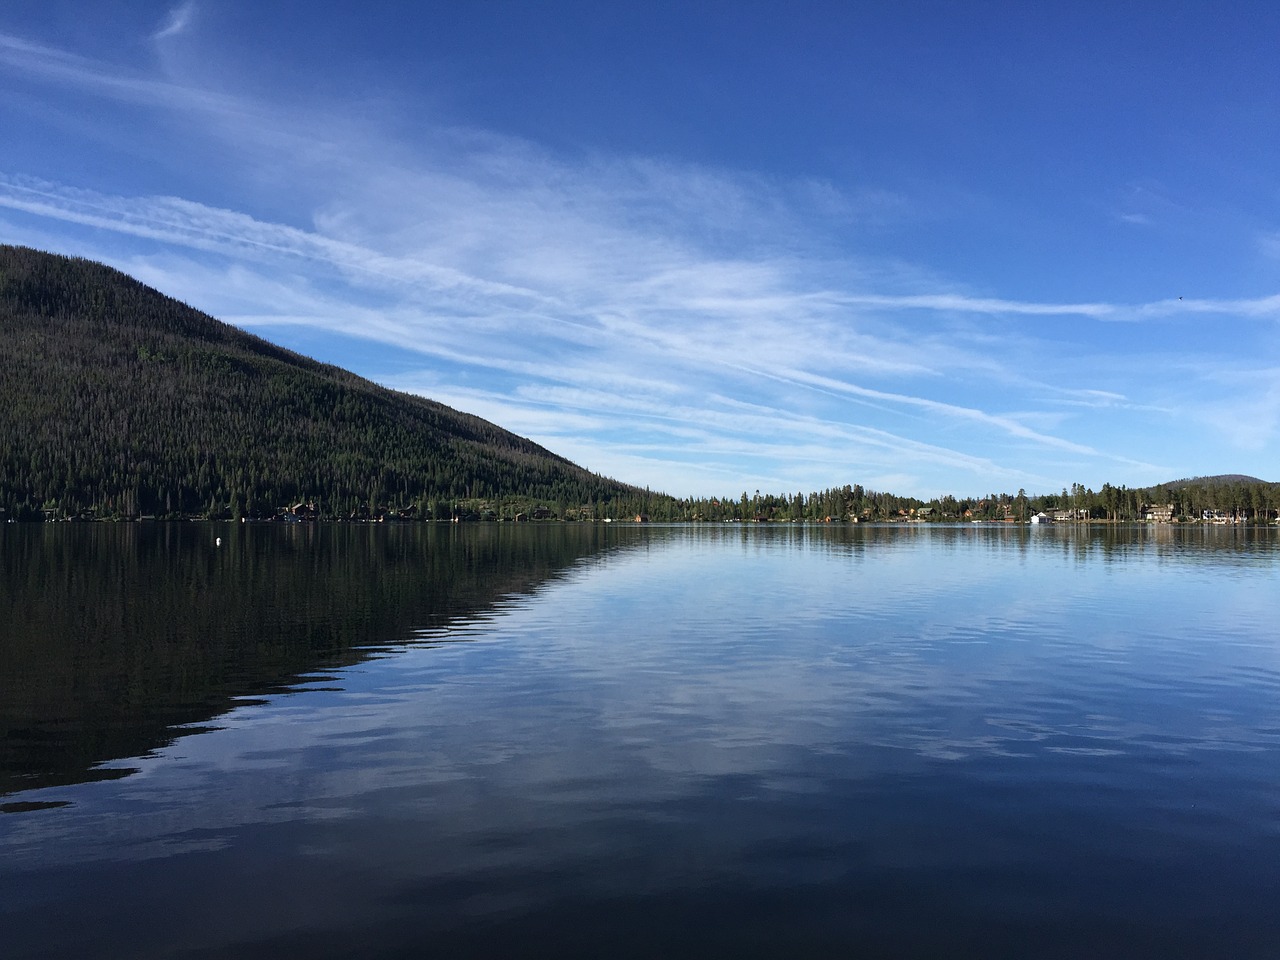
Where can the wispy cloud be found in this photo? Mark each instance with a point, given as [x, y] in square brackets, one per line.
[624, 310]
[40, 63]
[1250, 309]
[177, 22]
[966, 304]
[177, 221]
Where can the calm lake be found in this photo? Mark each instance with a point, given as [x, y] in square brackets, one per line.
[631, 741]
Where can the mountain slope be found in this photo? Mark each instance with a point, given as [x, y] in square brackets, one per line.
[118, 400]
[1217, 480]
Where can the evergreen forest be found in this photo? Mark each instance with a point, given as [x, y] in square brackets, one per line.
[119, 402]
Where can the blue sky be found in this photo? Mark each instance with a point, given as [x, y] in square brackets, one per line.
[707, 247]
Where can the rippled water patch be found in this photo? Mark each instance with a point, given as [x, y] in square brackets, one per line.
[678, 741]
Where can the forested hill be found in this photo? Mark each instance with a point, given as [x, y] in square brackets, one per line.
[1217, 480]
[116, 400]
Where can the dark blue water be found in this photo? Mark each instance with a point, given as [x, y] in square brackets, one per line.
[641, 742]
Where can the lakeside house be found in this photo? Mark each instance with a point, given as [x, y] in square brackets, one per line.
[1157, 513]
[1069, 516]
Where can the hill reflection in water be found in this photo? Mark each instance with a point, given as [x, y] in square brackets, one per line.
[118, 638]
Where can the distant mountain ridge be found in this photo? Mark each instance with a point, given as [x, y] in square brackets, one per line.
[120, 401]
[1217, 480]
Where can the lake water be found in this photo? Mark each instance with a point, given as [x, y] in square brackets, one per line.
[624, 741]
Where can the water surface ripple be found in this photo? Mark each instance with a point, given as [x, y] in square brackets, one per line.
[564, 740]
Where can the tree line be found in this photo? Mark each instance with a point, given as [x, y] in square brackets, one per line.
[1230, 499]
